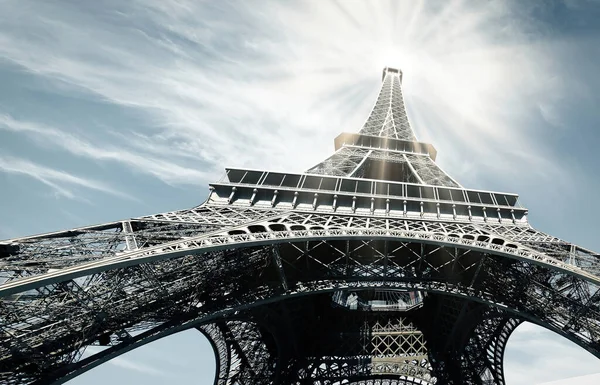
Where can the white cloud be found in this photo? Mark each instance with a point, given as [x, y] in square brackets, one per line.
[271, 85]
[63, 183]
[140, 161]
[592, 379]
[125, 363]
[535, 355]
[135, 366]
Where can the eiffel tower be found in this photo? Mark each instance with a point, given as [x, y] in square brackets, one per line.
[372, 267]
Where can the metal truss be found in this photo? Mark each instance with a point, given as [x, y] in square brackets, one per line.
[404, 277]
[429, 172]
[34, 255]
[242, 355]
[100, 304]
[344, 162]
[354, 162]
[388, 117]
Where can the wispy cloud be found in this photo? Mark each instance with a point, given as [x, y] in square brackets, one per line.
[135, 366]
[591, 379]
[62, 183]
[266, 85]
[535, 355]
[139, 161]
[126, 363]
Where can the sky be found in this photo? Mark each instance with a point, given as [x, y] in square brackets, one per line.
[591, 379]
[113, 109]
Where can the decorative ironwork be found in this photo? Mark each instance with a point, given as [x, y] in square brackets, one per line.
[373, 267]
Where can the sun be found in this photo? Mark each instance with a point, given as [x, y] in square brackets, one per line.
[395, 57]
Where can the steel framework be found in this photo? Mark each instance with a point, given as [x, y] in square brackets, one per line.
[373, 267]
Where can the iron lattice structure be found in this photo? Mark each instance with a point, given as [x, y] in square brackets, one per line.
[373, 267]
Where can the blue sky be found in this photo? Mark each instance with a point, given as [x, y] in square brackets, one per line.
[113, 109]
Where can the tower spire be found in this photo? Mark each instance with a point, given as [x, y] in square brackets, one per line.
[386, 148]
[388, 117]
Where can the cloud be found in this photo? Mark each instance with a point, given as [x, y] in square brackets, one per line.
[135, 366]
[125, 363]
[250, 86]
[592, 379]
[535, 355]
[157, 166]
[61, 182]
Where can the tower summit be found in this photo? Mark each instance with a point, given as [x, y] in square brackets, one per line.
[372, 267]
[389, 119]
[386, 148]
